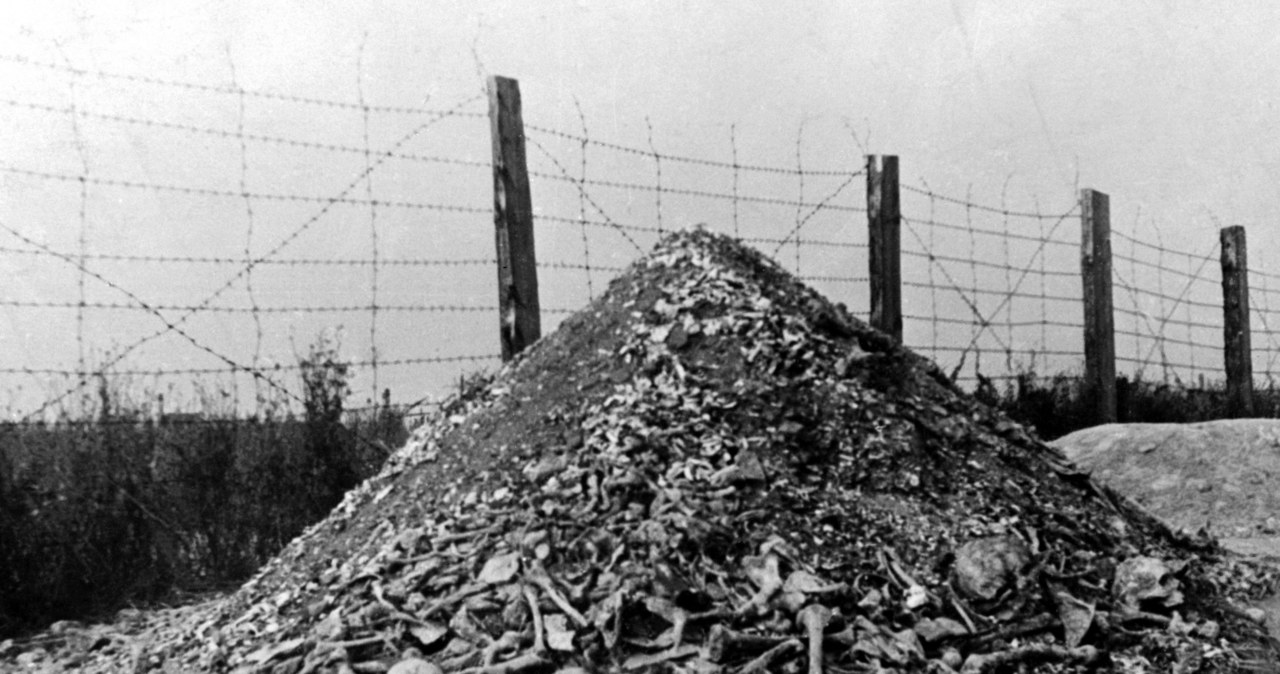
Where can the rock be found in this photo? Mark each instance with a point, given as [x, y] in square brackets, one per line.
[415, 666]
[1208, 629]
[677, 338]
[1140, 580]
[936, 629]
[985, 566]
[66, 627]
[280, 651]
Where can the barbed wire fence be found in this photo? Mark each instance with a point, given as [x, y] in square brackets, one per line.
[1004, 296]
[1175, 328]
[1017, 290]
[623, 216]
[990, 291]
[108, 282]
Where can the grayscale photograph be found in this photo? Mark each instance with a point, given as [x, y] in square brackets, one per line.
[588, 336]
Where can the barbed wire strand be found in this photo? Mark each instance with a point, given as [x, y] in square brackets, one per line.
[1264, 274]
[232, 135]
[1170, 340]
[835, 279]
[1166, 369]
[1136, 260]
[1174, 366]
[983, 320]
[582, 202]
[326, 202]
[582, 190]
[1050, 352]
[373, 214]
[965, 298]
[299, 309]
[733, 147]
[1187, 310]
[144, 305]
[1261, 307]
[1017, 324]
[215, 89]
[997, 293]
[1133, 273]
[819, 243]
[1262, 313]
[83, 245]
[237, 261]
[657, 168]
[1214, 326]
[933, 289]
[969, 203]
[579, 266]
[249, 222]
[1262, 289]
[1178, 301]
[706, 194]
[1008, 274]
[1159, 246]
[1138, 314]
[1044, 292]
[995, 234]
[799, 189]
[275, 367]
[794, 234]
[698, 161]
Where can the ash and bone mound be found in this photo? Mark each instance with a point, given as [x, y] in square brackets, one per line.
[713, 469]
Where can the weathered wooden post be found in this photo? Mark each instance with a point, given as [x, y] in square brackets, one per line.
[1099, 321]
[519, 321]
[884, 225]
[1236, 333]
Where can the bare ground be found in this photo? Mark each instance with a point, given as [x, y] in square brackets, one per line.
[1219, 476]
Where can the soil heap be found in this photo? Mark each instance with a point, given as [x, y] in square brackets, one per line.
[1215, 475]
[713, 469]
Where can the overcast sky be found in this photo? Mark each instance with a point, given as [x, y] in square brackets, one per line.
[1167, 106]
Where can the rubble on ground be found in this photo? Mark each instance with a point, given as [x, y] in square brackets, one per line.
[711, 469]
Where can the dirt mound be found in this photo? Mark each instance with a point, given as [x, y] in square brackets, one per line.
[712, 469]
[1219, 476]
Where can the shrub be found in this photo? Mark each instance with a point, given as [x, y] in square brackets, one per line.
[1058, 405]
[117, 504]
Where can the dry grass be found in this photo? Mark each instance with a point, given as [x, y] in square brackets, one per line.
[118, 506]
[1057, 405]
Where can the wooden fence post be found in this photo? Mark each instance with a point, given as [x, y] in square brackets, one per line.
[1236, 335]
[1099, 321]
[884, 225]
[519, 320]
